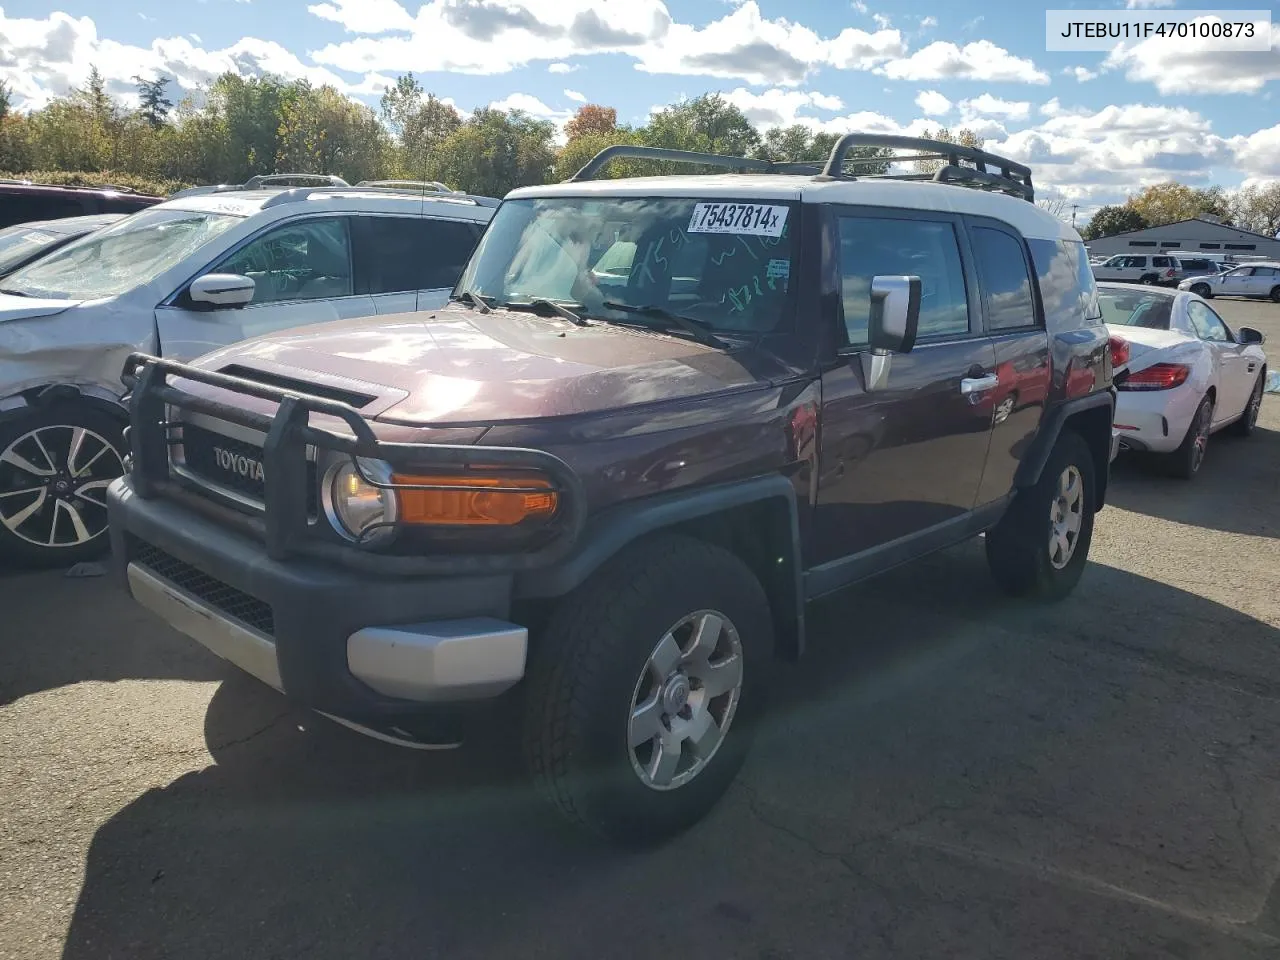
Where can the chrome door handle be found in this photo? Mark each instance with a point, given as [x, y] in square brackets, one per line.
[978, 384]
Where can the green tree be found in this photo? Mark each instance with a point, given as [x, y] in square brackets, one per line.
[963, 137]
[709, 123]
[153, 104]
[798, 142]
[494, 152]
[1257, 208]
[419, 123]
[1110, 220]
[1171, 201]
[321, 131]
[6, 100]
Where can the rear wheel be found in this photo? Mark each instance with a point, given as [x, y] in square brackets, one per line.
[1185, 462]
[1149, 280]
[1248, 421]
[1202, 290]
[1275, 294]
[644, 688]
[1041, 545]
[55, 466]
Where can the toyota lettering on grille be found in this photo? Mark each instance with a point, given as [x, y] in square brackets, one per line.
[239, 464]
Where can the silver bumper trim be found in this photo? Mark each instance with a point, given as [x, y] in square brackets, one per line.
[440, 661]
[251, 651]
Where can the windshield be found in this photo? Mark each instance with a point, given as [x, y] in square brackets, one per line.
[1134, 309]
[127, 254]
[725, 264]
[19, 244]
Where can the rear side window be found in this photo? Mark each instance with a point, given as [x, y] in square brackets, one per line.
[874, 246]
[399, 254]
[1160, 261]
[1067, 288]
[23, 208]
[1006, 284]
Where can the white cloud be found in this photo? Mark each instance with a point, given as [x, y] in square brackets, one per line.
[195, 37]
[781, 108]
[45, 58]
[562, 68]
[1258, 154]
[1139, 4]
[883, 22]
[365, 16]
[575, 96]
[980, 60]
[927, 22]
[860, 7]
[987, 105]
[971, 25]
[932, 103]
[143, 16]
[1082, 74]
[1186, 67]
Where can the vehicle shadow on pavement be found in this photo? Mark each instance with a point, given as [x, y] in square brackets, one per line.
[305, 840]
[58, 630]
[1241, 472]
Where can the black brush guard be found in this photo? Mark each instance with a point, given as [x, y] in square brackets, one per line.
[284, 525]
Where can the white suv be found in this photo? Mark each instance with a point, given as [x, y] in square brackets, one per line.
[1160, 269]
[1250, 280]
[180, 279]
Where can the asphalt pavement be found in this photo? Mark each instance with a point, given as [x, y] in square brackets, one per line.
[946, 774]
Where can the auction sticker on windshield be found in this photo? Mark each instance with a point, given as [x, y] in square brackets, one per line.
[750, 219]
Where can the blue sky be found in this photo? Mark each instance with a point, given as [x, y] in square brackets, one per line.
[1093, 125]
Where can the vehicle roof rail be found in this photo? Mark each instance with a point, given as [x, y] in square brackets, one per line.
[279, 179]
[608, 154]
[1009, 176]
[298, 194]
[432, 186]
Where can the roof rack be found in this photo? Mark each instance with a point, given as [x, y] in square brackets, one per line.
[427, 186]
[114, 188]
[1008, 176]
[298, 194]
[262, 181]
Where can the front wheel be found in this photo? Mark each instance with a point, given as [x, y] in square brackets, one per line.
[1248, 422]
[1275, 294]
[644, 688]
[1040, 546]
[55, 466]
[1149, 280]
[1202, 290]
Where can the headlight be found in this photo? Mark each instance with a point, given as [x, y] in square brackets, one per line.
[353, 505]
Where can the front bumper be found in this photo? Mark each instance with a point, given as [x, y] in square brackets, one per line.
[406, 654]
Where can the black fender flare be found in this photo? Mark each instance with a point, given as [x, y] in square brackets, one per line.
[38, 398]
[1033, 463]
[615, 528]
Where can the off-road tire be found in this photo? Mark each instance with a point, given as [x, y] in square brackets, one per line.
[21, 551]
[1017, 547]
[1247, 425]
[583, 673]
[1185, 462]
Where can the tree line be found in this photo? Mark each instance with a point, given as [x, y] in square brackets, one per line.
[239, 127]
[1255, 207]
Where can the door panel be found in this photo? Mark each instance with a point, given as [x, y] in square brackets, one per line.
[1228, 359]
[186, 333]
[433, 299]
[901, 459]
[385, 304]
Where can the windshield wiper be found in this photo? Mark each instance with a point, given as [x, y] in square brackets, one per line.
[473, 298]
[690, 326]
[542, 303]
[14, 293]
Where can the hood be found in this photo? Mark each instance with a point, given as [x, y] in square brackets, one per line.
[1201, 276]
[1147, 346]
[459, 366]
[28, 308]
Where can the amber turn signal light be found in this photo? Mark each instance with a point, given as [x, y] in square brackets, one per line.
[504, 501]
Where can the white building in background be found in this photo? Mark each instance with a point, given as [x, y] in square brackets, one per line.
[1202, 235]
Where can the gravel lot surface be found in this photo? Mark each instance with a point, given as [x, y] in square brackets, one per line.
[947, 774]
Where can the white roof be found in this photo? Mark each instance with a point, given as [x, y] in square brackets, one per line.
[1027, 218]
[245, 203]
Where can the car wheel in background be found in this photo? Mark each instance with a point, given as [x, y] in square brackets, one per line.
[1185, 462]
[1248, 421]
[1149, 280]
[55, 466]
[1202, 290]
[1040, 546]
[645, 686]
[1275, 294]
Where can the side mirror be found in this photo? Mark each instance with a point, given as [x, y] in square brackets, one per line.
[895, 313]
[1250, 335]
[222, 289]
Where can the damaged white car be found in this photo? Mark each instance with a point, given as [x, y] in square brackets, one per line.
[180, 279]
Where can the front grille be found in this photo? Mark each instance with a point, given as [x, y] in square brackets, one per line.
[223, 597]
[235, 465]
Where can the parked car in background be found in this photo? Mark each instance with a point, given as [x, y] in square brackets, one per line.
[21, 244]
[1186, 374]
[1259, 280]
[180, 279]
[661, 415]
[1153, 270]
[1193, 265]
[22, 201]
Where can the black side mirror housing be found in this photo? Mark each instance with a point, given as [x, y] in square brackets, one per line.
[1250, 335]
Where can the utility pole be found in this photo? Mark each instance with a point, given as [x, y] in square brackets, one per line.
[1074, 208]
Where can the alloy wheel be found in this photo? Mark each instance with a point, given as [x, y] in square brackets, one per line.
[685, 699]
[1066, 516]
[1200, 445]
[53, 485]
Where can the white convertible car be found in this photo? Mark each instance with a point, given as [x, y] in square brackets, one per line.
[1186, 374]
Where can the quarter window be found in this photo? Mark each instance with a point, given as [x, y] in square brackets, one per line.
[304, 260]
[1006, 283]
[874, 246]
